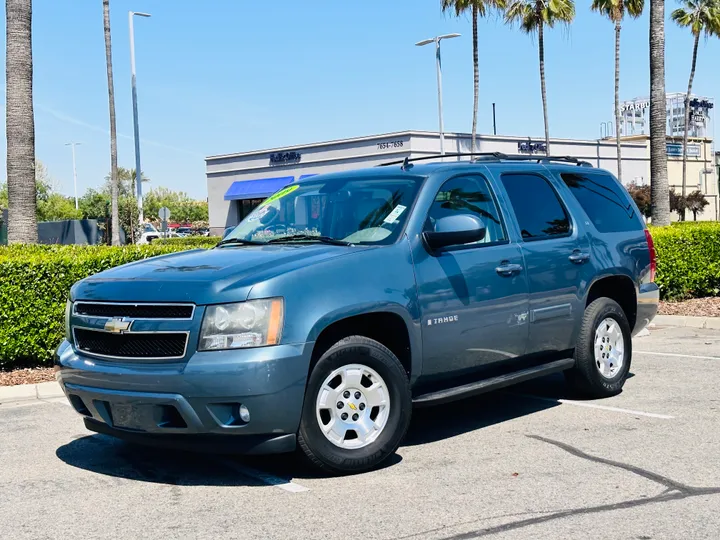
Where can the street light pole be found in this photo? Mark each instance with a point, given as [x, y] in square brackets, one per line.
[73, 145]
[438, 63]
[138, 169]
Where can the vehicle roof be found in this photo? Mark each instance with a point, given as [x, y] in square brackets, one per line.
[424, 169]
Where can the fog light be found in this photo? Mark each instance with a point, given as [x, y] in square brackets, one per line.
[244, 413]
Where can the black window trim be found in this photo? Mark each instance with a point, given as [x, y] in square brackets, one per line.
[476, 245]
[560, 200]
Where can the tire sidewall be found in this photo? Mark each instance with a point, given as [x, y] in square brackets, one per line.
[609, 310]
[400, 406]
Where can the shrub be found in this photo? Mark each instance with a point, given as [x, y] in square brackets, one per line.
[688, 259]
[34, 285]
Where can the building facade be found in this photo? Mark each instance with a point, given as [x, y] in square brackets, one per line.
[237, 183]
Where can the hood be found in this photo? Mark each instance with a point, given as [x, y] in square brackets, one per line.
[202, 276]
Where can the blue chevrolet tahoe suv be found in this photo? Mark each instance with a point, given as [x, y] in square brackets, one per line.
[346, 299]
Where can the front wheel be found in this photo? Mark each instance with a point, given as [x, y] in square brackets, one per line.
[603, 350]
[357, 407]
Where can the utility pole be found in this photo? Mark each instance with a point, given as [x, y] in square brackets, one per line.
[138, 168]
[73, 145]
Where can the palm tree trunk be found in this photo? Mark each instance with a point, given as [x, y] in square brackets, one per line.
[686, 128]
[617, 99]
[114, 189]
[476, 74]
[660, 191]
[20, 124]
[543, 91]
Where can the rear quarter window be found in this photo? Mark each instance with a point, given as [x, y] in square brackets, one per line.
[605, 202]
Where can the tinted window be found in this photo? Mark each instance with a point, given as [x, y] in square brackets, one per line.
[605, 202]
[468, 195]
[537, 206]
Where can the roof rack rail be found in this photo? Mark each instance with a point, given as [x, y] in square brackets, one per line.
[487, 156]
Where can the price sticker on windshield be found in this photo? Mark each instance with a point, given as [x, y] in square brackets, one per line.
[392, 216]
[280, 194]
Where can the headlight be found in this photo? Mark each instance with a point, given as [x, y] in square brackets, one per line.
[255, 323]
[68, 311]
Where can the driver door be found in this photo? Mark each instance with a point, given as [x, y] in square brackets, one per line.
[473, 297]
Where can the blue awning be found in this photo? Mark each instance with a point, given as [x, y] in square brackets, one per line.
[256, 189]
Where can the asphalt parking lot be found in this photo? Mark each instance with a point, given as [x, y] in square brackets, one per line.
[526, 463]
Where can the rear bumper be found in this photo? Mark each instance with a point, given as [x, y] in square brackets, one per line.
[196, 403]
[647, 306]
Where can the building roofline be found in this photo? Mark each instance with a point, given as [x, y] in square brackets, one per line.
[406, 133]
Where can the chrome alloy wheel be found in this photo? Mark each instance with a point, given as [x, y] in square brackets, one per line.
[609, 348]
[353, 406]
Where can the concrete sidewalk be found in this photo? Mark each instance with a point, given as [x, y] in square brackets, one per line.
[28, 392]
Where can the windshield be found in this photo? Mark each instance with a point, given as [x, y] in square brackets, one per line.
[353, 210]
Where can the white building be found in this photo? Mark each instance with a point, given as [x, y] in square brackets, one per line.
[239, 182]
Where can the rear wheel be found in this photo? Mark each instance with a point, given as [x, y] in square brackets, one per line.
[603, 351]
[357, 407]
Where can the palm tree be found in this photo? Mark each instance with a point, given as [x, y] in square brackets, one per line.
[700, 16]
[115, 215]
[659, 187]
[615, 10]
[535, 15]
[20, 131]
[479, 8]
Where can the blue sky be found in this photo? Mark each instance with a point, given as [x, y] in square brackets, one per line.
[239, 75]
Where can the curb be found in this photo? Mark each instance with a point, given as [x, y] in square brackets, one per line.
[687, 321]
[29, 392]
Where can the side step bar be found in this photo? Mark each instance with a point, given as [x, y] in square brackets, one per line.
[494, 383]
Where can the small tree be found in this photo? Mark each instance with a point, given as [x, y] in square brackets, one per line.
[696, 203]
[641, 196]
[678, 204]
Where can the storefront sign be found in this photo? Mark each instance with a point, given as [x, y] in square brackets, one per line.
[281, 158]
[530, 147]
[675, 149]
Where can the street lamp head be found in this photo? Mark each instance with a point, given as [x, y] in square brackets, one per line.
[448, 36]
[436, 39]
[424, 42]
[141, 14]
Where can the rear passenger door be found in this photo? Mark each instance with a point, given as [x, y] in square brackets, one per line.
[557, 258]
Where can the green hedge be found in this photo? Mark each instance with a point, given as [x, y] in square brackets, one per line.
[35, 281]
[688, 259]
[34, 286]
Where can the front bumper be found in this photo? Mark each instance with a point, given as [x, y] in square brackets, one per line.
[193, 403]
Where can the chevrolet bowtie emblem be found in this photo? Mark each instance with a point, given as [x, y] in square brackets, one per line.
[352, 406]
[117, 326]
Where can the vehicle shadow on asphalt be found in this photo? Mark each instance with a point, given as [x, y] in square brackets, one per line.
[105, 455]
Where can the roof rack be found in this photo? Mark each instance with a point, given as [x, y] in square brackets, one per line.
[491, 156]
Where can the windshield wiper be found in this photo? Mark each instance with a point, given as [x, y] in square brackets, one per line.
[239, 241]
[310, 238]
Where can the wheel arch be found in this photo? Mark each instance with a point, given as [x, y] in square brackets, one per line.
[619, 287]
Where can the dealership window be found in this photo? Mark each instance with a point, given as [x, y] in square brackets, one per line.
[245, 206]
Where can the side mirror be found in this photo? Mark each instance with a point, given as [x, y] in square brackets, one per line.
[455, 230]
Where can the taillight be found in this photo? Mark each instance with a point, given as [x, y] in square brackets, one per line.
[653, 256]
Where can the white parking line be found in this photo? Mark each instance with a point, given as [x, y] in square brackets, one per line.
[596, 406]
[678, 355]
[266, 478]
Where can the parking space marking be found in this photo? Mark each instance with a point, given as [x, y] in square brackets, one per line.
[678, 355]
[596, 406]
[266, 478]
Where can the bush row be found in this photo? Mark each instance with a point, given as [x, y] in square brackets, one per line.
[688, 259]
[35, 281]
[34, 285]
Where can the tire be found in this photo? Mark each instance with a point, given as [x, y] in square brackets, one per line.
[349, 358]
[601, 376]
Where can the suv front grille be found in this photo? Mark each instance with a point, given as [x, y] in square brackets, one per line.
[144, 346]
[135, 311]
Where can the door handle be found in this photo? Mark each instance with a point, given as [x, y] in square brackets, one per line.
[578, 257]
[507, 269]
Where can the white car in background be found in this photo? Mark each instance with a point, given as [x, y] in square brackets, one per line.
[149, 234]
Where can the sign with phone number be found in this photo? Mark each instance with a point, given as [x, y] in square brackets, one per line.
[390, 144]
